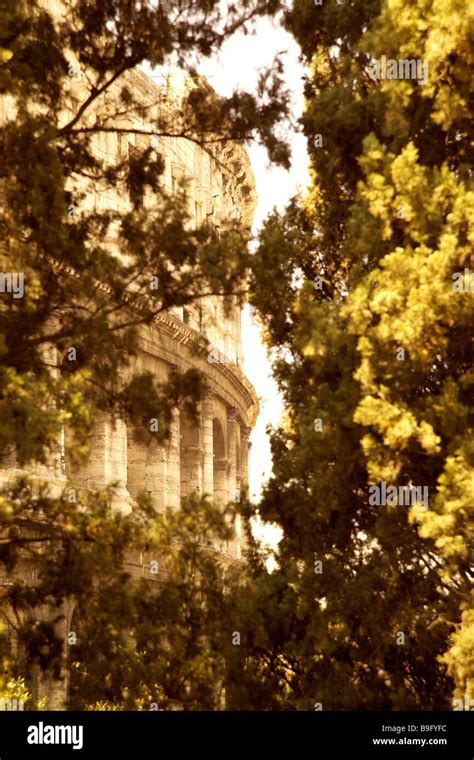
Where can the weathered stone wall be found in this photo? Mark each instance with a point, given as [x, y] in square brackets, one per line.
[210, 457]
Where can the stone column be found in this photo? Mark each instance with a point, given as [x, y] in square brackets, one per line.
[207, 415]
[191, 469]
[245, 448]
[108, 460]
[173, 458]
[146, 469]
[244, 482]
[232, 449]
[220, 480]
[233, 495]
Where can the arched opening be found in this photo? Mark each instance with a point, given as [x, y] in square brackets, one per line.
[220, 462]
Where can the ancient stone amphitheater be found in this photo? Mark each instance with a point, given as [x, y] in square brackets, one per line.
[210, 457]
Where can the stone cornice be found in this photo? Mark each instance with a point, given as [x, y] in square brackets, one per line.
[198, 345]
[231, 154]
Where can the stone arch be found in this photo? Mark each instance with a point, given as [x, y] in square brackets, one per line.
[220, 462]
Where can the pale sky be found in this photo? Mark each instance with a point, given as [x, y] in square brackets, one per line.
[237, 66]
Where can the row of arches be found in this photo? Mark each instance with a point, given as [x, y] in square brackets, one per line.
[226, 461]
[207, 456]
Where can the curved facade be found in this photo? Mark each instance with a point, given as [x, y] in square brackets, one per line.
[211, 457]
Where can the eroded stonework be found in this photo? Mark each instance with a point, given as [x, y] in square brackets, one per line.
[210, 457]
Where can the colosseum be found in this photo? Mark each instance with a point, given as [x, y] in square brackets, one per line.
[210, 457]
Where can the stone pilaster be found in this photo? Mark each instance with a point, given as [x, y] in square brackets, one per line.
[54, 691]
[244, 481]
[207, 414]
[107, 464]
[238, 541]
[245, 448]
[233, 477]
[220, 480]
[173, 458]
[9, 460]
[232, 449]
[146, 469]
[55, 466]
[191, 470]
[191, 455]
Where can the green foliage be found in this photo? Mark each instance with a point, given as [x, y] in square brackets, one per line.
[79, 292]
[370, 606]
[170, 653]
[67, 347]
[14, 688]
[371, 338]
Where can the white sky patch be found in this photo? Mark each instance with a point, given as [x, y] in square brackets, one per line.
[237, 65]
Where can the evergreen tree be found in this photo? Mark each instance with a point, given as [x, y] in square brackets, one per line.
[371, 604]
[66, 344]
